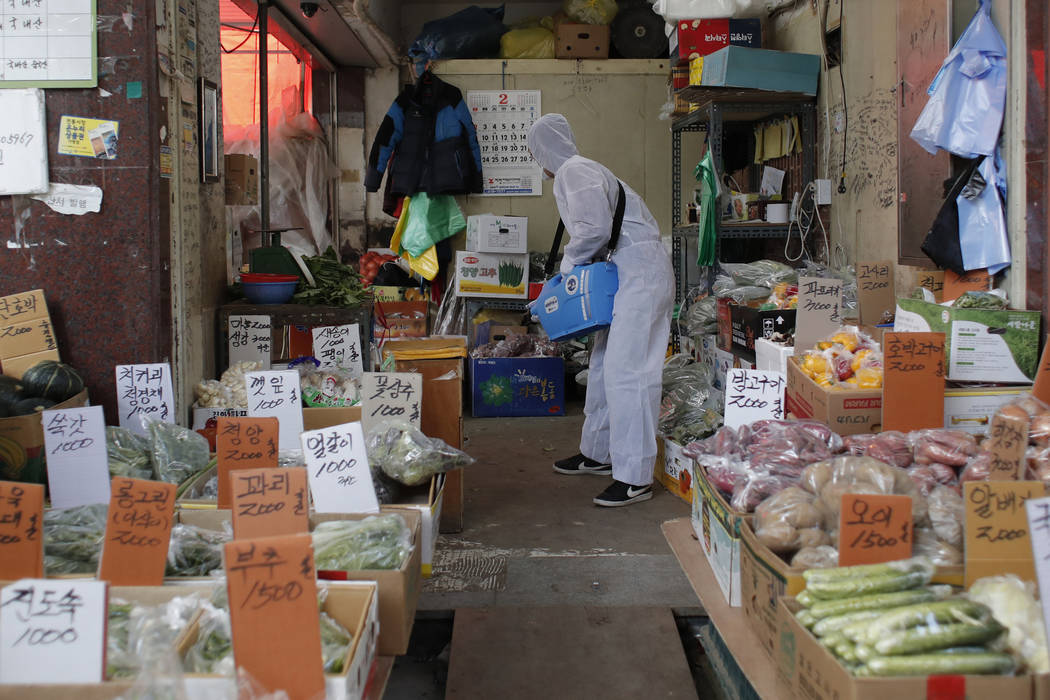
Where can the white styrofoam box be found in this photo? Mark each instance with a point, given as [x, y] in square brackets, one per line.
[971, 409]
[489, 233]
[772, 357]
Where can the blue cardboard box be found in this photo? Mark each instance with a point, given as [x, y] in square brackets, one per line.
[762, 69]
[517, 386]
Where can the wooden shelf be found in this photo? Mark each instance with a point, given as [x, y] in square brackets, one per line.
[729, 622]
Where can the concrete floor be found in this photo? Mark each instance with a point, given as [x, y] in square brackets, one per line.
[533, 538]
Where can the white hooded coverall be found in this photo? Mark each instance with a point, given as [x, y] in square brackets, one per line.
[624, 382]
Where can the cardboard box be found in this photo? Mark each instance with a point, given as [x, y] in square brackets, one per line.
[477, 275]
[679, 77]
[428, 502]
[982, 345]
[581, 40]
[724, 320]
[778, 71]
[22, 307]
[27, 338]
[717, 527]
[700, 37]
[848, 412]
[748, 325]
[17, 366]
[971, 408]
[674, 469]
[22, 444]
[721, 362]
[384, 294]
[403, 319]
[201, 415]
[772, 357]
[517, 386]
[398, 589]
[242, 179]
[327, 416]
[490, 331]
[764, 578]
[813, 673]
[488, 233]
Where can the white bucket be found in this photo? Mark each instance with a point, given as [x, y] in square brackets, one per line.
[777, 212]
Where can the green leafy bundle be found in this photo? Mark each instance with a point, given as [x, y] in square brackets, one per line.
[337, 284]
[377, 542]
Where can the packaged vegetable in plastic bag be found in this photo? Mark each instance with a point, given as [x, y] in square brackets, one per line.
[1013, 604]
[590, 11]
[177, 453]
[73, 539]
[701, 318]
[141, 637]
[212, 653]
[790, 520]
[684, 404]
[820, 557]
[761, 273]
[195, 551]
[127, 454]
[327, 386]
[406, 455]
[377, 542]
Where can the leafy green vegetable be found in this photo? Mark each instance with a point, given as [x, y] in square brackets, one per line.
[337, 284]
[177, 453]
[404, 453]
[195, 551]
[377, 542]
[128, 454]
[979, 300]
[73, 539]
[335, 643]
[117, 634]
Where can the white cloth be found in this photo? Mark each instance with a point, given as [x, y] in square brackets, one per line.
[624, 382]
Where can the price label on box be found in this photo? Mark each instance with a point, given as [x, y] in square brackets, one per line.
[874, 529]
[752, 395]
[250, 339]
[269, 502]
[77, 465]
[21, 530]
[388, 397]
[243, 443]
[138, 531]
[997, 538]
[276, 394]
[144, 391]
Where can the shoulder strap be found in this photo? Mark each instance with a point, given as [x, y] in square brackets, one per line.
[614, 237]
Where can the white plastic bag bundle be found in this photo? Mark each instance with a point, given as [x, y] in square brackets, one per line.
[673, 10]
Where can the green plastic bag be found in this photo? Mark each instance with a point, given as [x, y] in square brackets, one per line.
[705, 174]
[431, 219]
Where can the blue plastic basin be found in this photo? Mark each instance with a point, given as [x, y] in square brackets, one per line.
[268, 292]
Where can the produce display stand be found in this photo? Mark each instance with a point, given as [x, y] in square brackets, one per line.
[729, 622]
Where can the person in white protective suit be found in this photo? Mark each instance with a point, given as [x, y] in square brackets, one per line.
[624, 380]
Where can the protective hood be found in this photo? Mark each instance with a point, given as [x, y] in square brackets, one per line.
[551, 141]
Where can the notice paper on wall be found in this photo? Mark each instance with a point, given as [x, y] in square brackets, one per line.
[77, 466]
[23, 140]
[337, 465]
[502, 119]
[250, 339]
[88, 138]
[144, 393]
[72, 199]
[52, 631]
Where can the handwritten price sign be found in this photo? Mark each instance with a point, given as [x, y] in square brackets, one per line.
[339, 346]
[337, 464]
[276, 394]
[1007, 441]
[875, 295]
[272, 587]
[21, 537]
[753, 395]
[1038, 512]
[77, 466]
[243, 443]
[874, 529]
[144, 391]
[269, 502]
[997, 539]
[52, 631]
[819, 309]
[913, 395]
[250, 339]
[391, 397]
[138, 531]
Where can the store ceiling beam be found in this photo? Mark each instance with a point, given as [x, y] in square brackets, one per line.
[326, 40]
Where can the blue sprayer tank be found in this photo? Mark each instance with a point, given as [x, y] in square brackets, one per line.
[579, 303]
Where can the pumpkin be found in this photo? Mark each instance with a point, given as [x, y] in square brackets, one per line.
[50, 379]
[27, 407]
[11, 391]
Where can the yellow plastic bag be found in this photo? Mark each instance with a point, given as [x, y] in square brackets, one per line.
[534, 42]
[426, 265]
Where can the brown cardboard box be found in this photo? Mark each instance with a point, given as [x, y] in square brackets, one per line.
[17, 366]
[404, 319]
[327, 416]
[22, 444]
[848, 412]
[22, 307]
[717, 527]
[674, 469]
[1041, 682]
[581, 41]
[242, 179]
[398, 590]
[27, 337]
[814, 674]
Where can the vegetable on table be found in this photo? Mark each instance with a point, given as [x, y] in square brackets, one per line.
[877, 601]
[51, 379]
[377, 542]
[988, 663]
[337, 284]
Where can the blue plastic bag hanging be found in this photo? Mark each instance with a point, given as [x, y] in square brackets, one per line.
[968, 96]
[982, 224]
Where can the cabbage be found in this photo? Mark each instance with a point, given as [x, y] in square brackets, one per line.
[1013, 604]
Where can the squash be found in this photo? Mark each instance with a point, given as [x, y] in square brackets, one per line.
[11, 391]
[27, 407]
[50, 379]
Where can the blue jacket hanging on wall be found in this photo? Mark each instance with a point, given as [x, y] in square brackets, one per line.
[428, 140]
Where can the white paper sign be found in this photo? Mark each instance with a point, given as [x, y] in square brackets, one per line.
[72, 199]
[144, 391]
[388, 397]
[752, 395]
[276, 393]
[250, 339]
[339, 346]
[77, 466]
[502, 119]
[819, 310]
[23, 139]
[52, 631]
[1039, 534]
[337, 465]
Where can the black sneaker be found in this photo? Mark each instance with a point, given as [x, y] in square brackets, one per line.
[578, 464]
[621, 494]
